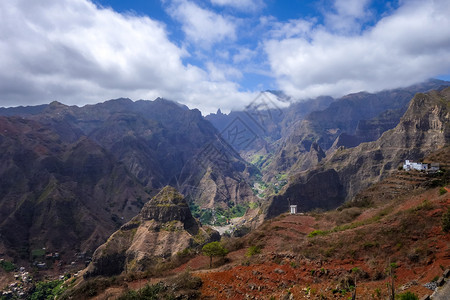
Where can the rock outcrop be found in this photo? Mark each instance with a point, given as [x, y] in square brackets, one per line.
[163, 228]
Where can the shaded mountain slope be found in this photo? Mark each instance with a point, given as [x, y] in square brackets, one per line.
[160, 142]
[423, 129]
[64, 196]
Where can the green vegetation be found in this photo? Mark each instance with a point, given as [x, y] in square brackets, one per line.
[184, 282]
[48, 290]
[147, 292]
[446, 221]
[172, 226]
[7, 266]
[253, 250]
[378, 292]
[258, 160]
[220, 216]
[442, 191]
[408, 296]
[425, 205]
[37, 253]
[263, 189]
[214, 249]
[253, 205]
[316, 233]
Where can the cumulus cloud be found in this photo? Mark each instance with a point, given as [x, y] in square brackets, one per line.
[75, 52]
[243, 5]
[202, 26]
[408, 46]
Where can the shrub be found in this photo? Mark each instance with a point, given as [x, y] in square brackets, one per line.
[408, 296]
[316, 233]
[47, 290]
[185, 281]
[147, 292]
[446, 221]
[7, 266]
[253, 250]
[442, 191]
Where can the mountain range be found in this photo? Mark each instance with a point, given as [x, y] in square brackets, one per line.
[134, 184]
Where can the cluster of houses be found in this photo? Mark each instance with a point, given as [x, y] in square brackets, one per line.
[19, 288]
[410, 165]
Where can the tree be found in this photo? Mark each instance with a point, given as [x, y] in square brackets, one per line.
[214, 249]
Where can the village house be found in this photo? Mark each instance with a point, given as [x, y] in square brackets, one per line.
[410, 165]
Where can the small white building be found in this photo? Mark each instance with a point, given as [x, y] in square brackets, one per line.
[293, 209]
[410, 165]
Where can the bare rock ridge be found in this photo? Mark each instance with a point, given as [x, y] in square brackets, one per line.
[163, 228]
[425, 127]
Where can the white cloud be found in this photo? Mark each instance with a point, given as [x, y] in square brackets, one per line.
[222, 72]
[77, 53]
[244, 54]
[349, 15]
[202, 26]
[409, 46]
[244, 5]
[290, 29]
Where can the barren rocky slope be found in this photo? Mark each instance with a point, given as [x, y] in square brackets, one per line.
[163, 228]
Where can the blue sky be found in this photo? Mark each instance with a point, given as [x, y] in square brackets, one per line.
[216, 53]
[256, 77]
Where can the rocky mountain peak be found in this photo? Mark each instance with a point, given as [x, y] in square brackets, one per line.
[163, 228]
[168, 205]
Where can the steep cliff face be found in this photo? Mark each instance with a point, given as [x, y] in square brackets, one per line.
[163, 228]
[425, 127]
[350, 120]
[62, 192]
[161, 142]
[318, 189]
